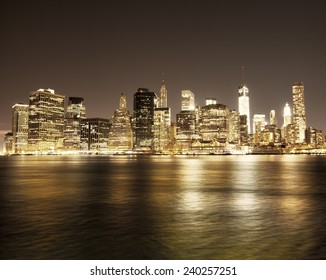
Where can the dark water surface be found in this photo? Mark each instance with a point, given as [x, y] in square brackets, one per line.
[213, 207]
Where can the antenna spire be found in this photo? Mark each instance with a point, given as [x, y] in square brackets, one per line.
[243, 75]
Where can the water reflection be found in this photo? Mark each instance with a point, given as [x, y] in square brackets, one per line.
[250, 207]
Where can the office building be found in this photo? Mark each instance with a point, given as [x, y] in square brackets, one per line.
[9, 143]
[75, 113]
[259, 122]
[46, 121]
[243, 101]
[287, 116]
[187, 100]
[120, 133]
[145, 102]
[20, 128]
[299, 112]
[94, 134]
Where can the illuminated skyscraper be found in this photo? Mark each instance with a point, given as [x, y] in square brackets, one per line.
[214, 123]
[258, 126]
[46, 120]
[272, 118]
[8, 143]
[162, 122]
[20, 127]
[143, 118]
[187, 121]
[299, 112]
[120, 133]
[94, 134]
[287, 116]
[244, 104]
[75, 113]
[163, 96]
[187, 100]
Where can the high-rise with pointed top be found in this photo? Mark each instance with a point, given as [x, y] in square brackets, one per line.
[244, 108]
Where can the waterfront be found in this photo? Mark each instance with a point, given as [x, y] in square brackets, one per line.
[163, 207]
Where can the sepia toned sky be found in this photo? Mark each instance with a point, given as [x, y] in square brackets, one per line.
[99, 49]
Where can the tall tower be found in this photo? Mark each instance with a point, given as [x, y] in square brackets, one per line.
[46, 120]
[75, 113]
[120, 133]
[20, 127]
[287, 116]
[244, 101]
[187, 100]
[299, 112]
[272, 118]
[144, 105]
[163, 96]
[162, 122]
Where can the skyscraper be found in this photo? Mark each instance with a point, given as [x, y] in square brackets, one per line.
[20, 127]
[187, 121]
[287, 116]
[299, 112]
[75, 113]
[244, 104]
[143, 118]
[162, 122]
[187, 100]
[163, 96]
[120, 133]
[272, 118]
[94, 134]
[46, 120]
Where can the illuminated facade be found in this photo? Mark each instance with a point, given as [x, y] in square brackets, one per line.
[244, 108]
[163, 96]
[75, 113]
[20, 128]
[9, 143]
[94, 134]
[287, 116]
[46, 121]
[315, 137]
[234, 127]
[210, 101]
[162, 122]
[187, 100]
[299, 112]
[272, 118]
[259, 122]
[214, 123]
[143, 119]
[187, 121]
[120, 134]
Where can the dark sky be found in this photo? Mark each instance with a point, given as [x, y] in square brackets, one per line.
[98, 49]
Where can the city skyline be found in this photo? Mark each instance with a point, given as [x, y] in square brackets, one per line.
[99, 52]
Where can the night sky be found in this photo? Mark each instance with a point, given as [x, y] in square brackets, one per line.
[99, 49]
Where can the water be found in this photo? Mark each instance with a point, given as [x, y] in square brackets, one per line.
[162, 207]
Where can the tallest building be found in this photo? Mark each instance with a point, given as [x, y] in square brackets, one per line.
[244, 104]
[299, 112]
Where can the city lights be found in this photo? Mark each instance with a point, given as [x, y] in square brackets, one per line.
[45, 127]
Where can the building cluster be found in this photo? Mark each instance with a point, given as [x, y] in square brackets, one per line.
[46, 126]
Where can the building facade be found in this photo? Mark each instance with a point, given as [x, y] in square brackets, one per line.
[243, 101]
[46, 121]
[95, 134]
[145, 103]
[299, 112]
[20, 114]
[76, 112]
[120, 134]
